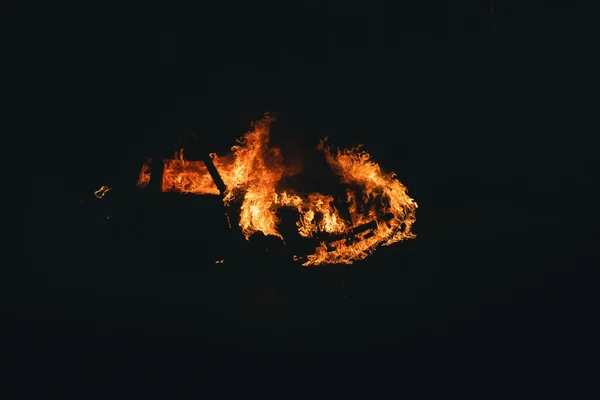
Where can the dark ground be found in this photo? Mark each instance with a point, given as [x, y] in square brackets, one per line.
[490, 131]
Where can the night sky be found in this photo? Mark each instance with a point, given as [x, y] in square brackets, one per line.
[486, 117]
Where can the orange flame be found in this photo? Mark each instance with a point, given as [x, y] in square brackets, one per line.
[383, 195]
[184, 176]
[381, 212]
[144, 178]
[254, 174]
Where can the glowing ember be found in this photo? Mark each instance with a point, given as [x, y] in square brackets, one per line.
[100, 193]
[381, 212]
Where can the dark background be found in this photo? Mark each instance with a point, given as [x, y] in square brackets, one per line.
[487, 118]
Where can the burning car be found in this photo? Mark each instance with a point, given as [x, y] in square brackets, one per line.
[375, 210]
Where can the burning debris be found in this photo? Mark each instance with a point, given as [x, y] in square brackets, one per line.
[380, 211]
[101, 192]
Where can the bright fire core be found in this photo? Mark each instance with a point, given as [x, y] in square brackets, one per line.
[377, 200]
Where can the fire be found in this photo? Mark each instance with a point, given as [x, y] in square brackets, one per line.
[184, 176]
[383, 195]
[254, 174]
[380, 210]
[316, 205]
[144, 178]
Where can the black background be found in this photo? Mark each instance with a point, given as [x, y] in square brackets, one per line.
[488, 121]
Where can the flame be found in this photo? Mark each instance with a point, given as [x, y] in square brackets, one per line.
[254, 174]
[380, 210]
[383, 195]
[144, 178]
[184, 176]
[100, 193]
[317, 214]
